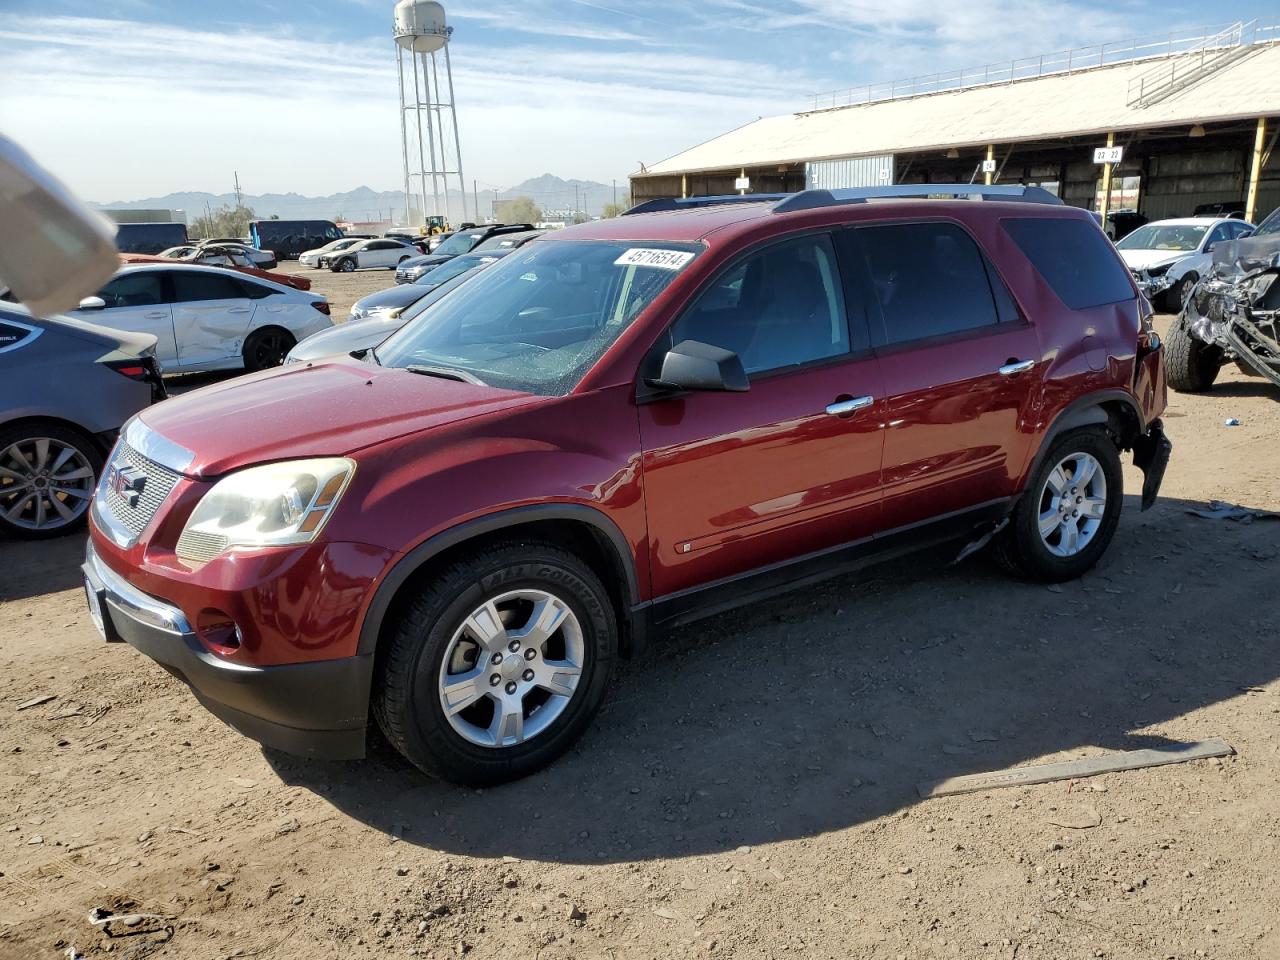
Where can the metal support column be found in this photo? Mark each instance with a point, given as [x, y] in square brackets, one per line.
[404, 132]
[991, 156]
[422, 152]
[1106, 183]
[433, 95]
[457, 141]
[684, 185]
[1255, 171]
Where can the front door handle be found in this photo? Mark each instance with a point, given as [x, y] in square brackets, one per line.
[157, 316]
[842, 408]
[1016, 367]
[239, 310]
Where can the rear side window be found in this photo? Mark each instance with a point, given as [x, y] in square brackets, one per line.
[256, 291]
[205, 286]
[930, 280]
[1074, 258]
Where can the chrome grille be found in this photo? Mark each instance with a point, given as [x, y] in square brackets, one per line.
[160, 482]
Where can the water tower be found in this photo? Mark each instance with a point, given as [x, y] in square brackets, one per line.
[429, 119]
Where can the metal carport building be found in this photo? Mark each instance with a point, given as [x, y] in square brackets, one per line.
[1196, 117]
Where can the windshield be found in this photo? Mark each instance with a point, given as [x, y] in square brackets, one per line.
[1269, 225]
[458, 243]
[341, 244]
[1168, 236]
[538, 319]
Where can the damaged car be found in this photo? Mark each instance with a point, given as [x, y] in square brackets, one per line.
[1232, 316]
[1167, 258]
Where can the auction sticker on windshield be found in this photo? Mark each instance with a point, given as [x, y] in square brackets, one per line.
[662, 259]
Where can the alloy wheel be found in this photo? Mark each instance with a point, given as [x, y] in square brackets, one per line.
[45, 483]
[512, 668]
[1073, 503]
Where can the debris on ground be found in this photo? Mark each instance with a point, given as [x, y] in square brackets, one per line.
[37, 701]
[1221, 510]
[1070, 769]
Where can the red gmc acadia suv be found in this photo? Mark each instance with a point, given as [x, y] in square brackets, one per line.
[621, 426]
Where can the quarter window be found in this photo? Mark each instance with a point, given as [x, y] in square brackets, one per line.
[133, 290]
[189, 286]
[930, 280]
[780, 307]
[1075, 259]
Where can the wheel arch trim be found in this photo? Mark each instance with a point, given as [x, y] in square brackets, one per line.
[415, 559]
[1086, 411]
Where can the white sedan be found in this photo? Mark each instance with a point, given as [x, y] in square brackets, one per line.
[383, 253]
[311, 258]
[206, 318]
[1168, 257]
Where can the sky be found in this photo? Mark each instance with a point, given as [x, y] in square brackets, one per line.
[128, 99]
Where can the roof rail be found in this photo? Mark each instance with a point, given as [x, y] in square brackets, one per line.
[813, 199]
[692, 203]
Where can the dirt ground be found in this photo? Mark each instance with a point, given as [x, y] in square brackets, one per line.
[749, 790]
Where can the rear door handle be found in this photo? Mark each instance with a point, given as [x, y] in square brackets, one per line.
[842, 408]
[239, 310]
[1017, 367]
[157, 316]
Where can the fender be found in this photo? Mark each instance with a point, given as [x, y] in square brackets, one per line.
[434, 546]
[1082, 412]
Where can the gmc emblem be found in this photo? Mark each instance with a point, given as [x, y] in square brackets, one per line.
[128, 483]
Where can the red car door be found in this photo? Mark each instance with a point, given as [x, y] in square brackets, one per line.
[739, 481]
[960, 366]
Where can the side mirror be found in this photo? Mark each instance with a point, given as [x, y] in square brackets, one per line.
[66, 250]
[692, 365]
[92, 303]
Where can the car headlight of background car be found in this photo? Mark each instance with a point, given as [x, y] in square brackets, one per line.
[1160, 271]
[274, 505]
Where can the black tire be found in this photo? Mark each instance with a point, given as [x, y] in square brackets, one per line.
[1021, 550]
[345, 265]
[10, 497]
[266, 348]
[400, 261]
[1190, 366]
[406, 700]
[1177, 295]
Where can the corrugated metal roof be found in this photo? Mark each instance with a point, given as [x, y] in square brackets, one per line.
[1090, 101]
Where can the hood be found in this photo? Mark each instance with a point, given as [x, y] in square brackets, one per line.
[325, 409]
[1146, 259]
[346, 338]
[398, 296]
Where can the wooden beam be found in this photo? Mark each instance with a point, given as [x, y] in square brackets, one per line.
[1076, 769]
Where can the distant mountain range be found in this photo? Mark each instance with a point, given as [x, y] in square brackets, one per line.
[549, 192]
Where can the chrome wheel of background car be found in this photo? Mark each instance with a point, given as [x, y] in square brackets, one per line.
[512, 668]
[1073, 503]
[45, 483]
[347, 266]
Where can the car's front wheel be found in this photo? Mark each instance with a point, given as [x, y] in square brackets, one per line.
[498, 664]
[1177, 295]
[346, 265]
[1069, 511]
[47, 478]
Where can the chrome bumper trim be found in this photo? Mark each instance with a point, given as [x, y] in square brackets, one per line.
[130, 601]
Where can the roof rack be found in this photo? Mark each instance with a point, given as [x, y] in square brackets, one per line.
[813, 199]
[692, 203]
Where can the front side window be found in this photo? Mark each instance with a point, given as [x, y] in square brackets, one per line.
[1168, 236]
[930, 280]
[538, 320]
[1220, 233]
[780, 307]
[189, 286]
[133, 290]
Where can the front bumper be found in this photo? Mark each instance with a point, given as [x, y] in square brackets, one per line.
[317, 709]
[1152, 287]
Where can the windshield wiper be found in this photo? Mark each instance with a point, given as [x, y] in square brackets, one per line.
[445, 373]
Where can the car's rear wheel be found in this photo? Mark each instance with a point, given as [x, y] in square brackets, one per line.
[497, 665]
[267, 348]
[47, 478]
[1069, 512]
[1190, 365]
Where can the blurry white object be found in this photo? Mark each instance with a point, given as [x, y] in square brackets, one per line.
[54, 250]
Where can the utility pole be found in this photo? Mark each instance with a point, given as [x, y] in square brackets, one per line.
[239, 203]
[576, 201]
[475, 196]
[615, 192]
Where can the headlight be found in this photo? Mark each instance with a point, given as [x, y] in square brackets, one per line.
[1154, 272]
[275, 505]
